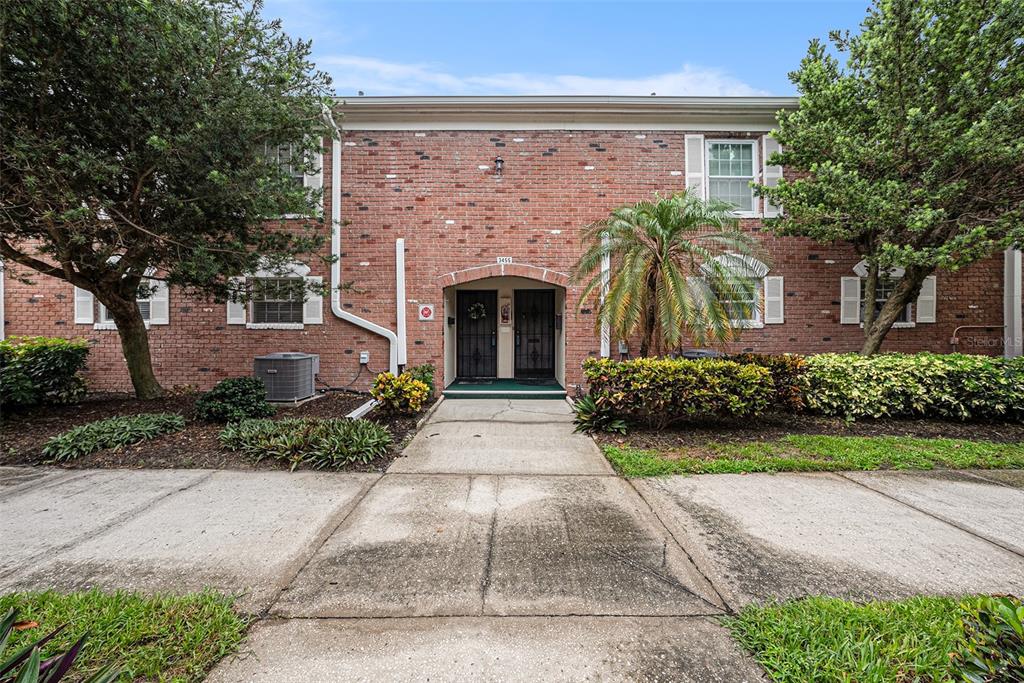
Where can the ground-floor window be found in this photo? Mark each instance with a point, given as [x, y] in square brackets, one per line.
[276, 300]
[883, 290]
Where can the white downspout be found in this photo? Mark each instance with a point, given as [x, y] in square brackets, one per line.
[336, 266]
[606, 332]
[1013, 330]
[400, 304]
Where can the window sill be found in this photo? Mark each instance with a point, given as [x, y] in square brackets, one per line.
[274, 326]
[747, 324]
[898, 326]
[113, 326]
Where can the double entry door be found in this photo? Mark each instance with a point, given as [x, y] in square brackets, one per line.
[476, 338]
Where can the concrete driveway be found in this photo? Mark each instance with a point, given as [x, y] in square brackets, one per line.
[502, 547]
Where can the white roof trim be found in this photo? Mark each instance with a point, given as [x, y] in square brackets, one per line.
[562, 113]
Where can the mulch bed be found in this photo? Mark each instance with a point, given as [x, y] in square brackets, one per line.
[773, 427]
[22, 436]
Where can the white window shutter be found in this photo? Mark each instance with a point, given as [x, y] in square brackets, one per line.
[83, 307]
[926, 301]
[695, 165]
[849, 309]
[772, 174]
[159, 303]
[236, 309]
[313, 309]
[774, 300]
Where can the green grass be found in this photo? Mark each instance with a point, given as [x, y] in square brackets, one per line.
[827, 639]
[820, 454]
[158, 638]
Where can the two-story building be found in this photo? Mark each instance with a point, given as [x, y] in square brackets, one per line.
[459, 220]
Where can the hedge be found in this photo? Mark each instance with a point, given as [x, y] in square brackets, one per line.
[660, 391]
[957, 386]
[787, 372]
[37, 370]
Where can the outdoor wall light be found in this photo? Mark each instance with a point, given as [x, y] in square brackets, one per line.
[499, 165]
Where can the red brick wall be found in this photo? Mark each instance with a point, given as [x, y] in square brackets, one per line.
[429, 188]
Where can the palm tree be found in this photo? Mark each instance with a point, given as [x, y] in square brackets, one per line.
[678, 266]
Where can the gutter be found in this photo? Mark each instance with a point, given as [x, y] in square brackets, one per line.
[336, 308]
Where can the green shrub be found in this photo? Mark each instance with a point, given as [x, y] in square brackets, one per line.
[425, 374]
[994, 631]
[593, 415]
[660, 391]
[402, 394]
[110, 433]
[37, 370]
[954, 386]
[320, 443]
[234, 399]
[787, 371]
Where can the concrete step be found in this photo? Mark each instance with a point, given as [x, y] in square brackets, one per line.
[538, 392]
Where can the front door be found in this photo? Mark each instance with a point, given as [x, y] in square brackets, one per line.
[535, 333]
[476, 337]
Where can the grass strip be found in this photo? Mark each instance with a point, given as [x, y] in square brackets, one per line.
[828, 639]
[814, 453]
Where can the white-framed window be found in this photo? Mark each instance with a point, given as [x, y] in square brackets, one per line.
[276, 301]
[883, 290]
[742, 297]
[145, 308]
[154, 306]
[753, 298]
[287, 298]
[286, 156]
[731, 168]
[852, 294]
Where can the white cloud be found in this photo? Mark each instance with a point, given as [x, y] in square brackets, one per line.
[377, 77]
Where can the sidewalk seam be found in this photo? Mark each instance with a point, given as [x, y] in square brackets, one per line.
[704, 575]
[318, 543]
[933, 515]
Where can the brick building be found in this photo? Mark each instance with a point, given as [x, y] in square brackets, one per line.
[460, 220]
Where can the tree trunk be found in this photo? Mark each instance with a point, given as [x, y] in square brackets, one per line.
[870, 291]
[650, 323]
[135, 346]
[650, 317]
[906, 291]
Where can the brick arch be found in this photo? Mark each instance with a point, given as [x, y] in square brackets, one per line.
[526, 270]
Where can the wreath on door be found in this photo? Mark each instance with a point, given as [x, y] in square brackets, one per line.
[477, 311]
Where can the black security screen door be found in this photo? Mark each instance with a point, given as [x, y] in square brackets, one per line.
[535, 333]
[476, 339]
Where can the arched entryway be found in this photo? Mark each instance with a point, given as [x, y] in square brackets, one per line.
[504, 331]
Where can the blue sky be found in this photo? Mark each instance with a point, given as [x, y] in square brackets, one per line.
[562, 48]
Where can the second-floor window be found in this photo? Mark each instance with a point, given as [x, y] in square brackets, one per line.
[290, 161]
[731, 168]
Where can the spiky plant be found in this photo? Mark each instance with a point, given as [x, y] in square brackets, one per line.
[679, 267]
[28, 666]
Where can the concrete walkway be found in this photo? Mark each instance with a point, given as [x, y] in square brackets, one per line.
[502, 547]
